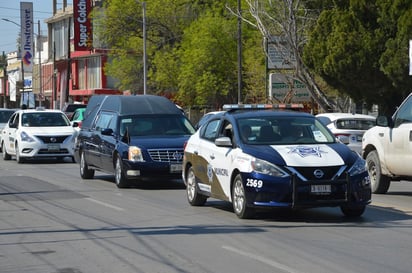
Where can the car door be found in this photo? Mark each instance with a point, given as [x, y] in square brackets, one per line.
[108, 140]
[398, 146]
[93, 141]
[9, 133]
[217, 159]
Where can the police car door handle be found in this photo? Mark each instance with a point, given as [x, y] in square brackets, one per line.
[196, 152]
[212, 156]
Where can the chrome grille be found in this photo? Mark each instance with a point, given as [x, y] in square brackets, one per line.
[166, 155]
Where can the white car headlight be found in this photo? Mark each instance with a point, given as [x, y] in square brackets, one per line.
[264, 167]
[135, 154]
[358, 167]
[25, 137]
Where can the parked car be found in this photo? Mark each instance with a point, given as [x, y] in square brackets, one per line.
[255, 157]
[77, 117]
[348, 128]
[387, 148]
[5, 114]
[206, 117]
[69, 108]
[37, 133]
[132, 137]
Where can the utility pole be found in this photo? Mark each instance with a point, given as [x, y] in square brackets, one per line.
[143, 3]
[40, 68]
[239, 52]
[4, 81]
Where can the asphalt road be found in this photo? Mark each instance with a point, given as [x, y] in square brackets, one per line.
[52, 221]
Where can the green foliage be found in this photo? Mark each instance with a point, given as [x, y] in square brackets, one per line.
[208, 54]
[361, 49]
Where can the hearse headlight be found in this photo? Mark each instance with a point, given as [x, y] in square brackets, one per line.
[135, 154]
[358, 167]
[264, 167]
[26, 137]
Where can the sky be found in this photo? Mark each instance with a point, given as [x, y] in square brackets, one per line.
[10, 9]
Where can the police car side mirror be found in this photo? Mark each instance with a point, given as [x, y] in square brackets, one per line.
[223, 142]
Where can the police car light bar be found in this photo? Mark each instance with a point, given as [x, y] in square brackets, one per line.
[291, 106]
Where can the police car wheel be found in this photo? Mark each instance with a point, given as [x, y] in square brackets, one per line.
[119, 177]
[239, 199]
[353, 211]
[193, 196]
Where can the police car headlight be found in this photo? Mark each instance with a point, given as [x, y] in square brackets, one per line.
[135, 154]
[25, 137]
[264, 167]
[358, 167]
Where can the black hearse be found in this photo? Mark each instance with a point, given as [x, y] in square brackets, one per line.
[132, 137]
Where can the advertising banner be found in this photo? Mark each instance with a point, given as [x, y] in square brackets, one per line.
[83, 39]
[26, 47]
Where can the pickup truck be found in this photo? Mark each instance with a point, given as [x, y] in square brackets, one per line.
[387, 148]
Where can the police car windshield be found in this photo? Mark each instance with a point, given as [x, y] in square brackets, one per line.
[283, 130]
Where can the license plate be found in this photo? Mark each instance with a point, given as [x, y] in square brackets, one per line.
[320, 189]
[53, 147]
[175, 168]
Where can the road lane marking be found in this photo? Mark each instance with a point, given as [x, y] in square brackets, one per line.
[272, 263]
[105, 204]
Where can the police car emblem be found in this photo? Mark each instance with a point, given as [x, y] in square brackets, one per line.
[305, 151]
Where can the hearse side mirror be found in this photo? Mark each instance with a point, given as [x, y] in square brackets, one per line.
[107, 132]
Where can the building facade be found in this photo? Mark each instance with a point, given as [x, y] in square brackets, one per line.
[67, 67]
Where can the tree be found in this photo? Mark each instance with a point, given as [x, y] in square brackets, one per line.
[288, 20]
[207, 74]
[360, 48]
[119, 26]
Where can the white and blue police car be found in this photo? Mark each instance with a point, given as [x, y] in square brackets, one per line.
[256, 156]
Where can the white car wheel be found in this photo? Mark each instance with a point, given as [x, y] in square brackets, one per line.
[6, 156]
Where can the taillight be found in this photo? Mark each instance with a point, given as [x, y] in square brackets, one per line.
[344, 138]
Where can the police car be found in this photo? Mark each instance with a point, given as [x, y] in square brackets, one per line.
[255, 156]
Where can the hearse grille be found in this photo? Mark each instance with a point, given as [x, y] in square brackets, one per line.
[166, 155]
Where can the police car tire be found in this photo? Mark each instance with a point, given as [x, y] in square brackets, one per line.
[192, 190]
[119, 177]
[85, 172]
[379, 183]
[353, 211]
[239, 199]
[6, 156]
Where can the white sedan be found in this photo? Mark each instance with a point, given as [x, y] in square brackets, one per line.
[37, 133]
[348, 128]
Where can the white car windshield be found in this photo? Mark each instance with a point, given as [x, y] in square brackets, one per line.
[283, 130]
[44, 119]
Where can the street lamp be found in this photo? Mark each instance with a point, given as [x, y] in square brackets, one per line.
[144, 47]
